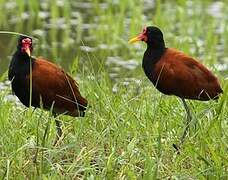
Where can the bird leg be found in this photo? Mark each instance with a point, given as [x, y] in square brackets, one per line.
[59, 131]
[33, 110]
[189, 119]
[186, 129]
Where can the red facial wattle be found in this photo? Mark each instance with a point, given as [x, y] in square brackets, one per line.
[26, 46]
[141, 37]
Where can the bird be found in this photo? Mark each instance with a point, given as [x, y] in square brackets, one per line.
[40, 83]
[173, 72]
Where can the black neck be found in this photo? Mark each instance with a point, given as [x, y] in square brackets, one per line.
[20, 64]
[151, 56]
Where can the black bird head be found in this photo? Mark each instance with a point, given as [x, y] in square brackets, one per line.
[25, 45]
[151, 35]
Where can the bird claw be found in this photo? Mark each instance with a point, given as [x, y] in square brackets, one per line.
[177, 148]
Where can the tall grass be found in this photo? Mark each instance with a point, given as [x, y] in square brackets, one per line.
[129, 126]
[124, 134]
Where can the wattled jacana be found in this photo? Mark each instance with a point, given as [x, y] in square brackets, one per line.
[174, 73]
[52, 88]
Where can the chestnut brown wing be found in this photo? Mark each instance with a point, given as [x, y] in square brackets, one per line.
[181, 75]
[52, 85]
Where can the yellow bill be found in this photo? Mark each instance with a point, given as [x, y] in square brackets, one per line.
[28, 52]
[134, 40]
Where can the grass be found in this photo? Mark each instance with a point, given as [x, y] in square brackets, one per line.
[124, 135]
[129, 127]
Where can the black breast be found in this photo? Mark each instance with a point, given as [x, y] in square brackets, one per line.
[18, 70]
[150, 58]
[149, 61]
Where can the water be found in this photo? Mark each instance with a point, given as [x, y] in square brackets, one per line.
[95, 32]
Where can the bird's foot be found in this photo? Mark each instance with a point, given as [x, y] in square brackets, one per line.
[57, 141]
[177, 148]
